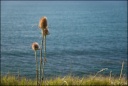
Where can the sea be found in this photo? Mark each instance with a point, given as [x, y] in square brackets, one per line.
[86, 37]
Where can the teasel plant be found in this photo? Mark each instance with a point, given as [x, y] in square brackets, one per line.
[44, 30]
[35, 47]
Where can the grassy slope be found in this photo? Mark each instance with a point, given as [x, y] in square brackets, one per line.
[67, 80]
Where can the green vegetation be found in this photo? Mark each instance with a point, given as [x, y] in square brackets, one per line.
[67, 80]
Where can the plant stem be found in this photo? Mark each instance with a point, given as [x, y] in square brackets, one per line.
[44, 49]
[41, 60]
[44, 60]
[36, 67]
[110, 77]
[121, 70]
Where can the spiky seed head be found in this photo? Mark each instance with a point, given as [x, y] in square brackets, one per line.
[35, 46]
[43, 23]
[45, 32]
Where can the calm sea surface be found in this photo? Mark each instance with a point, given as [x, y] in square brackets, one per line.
[85, 37]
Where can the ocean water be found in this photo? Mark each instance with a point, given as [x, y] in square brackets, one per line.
[85, 37]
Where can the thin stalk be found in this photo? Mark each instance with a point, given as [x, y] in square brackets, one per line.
[110, 76]
[99, 72]
[41, 60]
[121, 70]
[44, 49]
[36, 67]
[44, 60]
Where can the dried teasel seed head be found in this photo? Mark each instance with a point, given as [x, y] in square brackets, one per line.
[35, 46]
[43, 23]
[45, 32]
